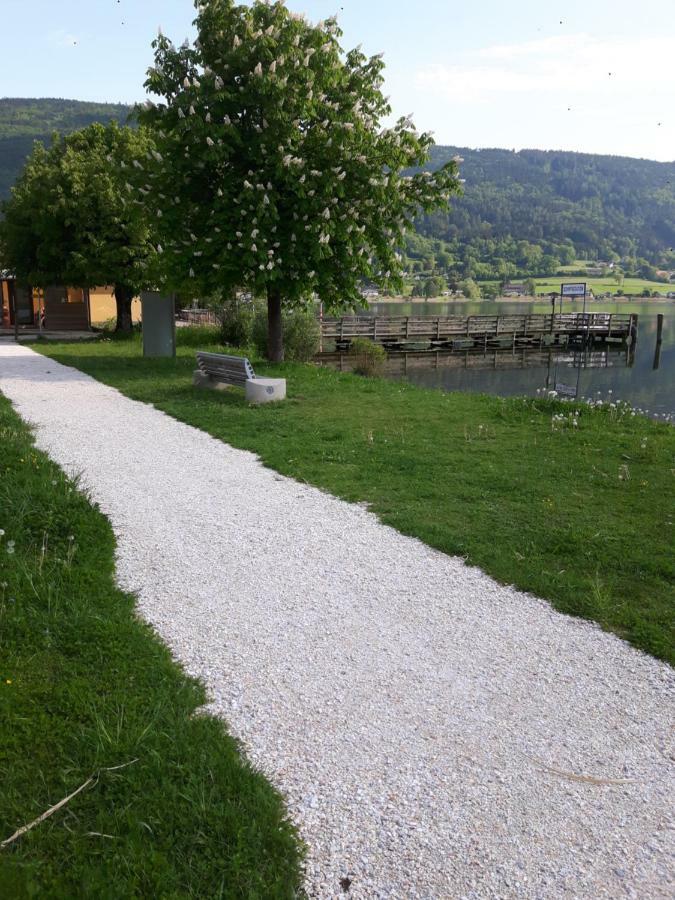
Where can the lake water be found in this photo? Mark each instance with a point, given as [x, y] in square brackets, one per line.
[636, 381]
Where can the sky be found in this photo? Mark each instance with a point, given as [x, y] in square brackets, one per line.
[596, 76]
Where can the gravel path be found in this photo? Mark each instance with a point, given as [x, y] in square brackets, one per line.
[436, 734]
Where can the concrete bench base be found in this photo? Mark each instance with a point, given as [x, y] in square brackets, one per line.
[258, 390]
[265, 390]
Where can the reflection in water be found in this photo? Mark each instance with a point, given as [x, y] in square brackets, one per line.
[416, 362]
[657, 356]
[643, 384]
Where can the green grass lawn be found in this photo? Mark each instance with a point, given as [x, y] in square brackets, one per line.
[631, 286]
[581, 516]
[86, 687]
[599, 285]
[576, 265]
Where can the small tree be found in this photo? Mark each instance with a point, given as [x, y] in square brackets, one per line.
[432, 288]
[72, 219]
[470, 289]
[276, 174]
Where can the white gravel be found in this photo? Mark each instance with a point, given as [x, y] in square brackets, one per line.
[427, 725]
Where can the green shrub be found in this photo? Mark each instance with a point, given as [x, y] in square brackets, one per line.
[109, 325]
[368, 357]
[301, 333]
[237, 322]
[108, 328]
[197, 335]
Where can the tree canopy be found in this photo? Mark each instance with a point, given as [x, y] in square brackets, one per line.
[68, 222]
[272, 170]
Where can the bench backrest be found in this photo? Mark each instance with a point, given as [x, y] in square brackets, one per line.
[229, 369]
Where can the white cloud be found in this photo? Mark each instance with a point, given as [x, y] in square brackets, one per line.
[541, 47]
[572, 66]
[62, 38]
[605, 94]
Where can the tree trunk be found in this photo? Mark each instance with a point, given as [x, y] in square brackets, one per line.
[275, 336]
[123, 298]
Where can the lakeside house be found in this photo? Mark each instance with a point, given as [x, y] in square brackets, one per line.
[514, 290]
[58, 308]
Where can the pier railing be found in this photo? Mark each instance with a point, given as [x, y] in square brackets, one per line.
[399, 329]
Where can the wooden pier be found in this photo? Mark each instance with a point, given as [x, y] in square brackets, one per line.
[481, 332]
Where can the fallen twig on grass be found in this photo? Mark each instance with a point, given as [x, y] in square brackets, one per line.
[50, 812]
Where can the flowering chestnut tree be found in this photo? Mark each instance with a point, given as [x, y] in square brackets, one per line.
[272, 171]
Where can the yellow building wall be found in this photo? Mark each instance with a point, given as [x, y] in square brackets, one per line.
[102, 306]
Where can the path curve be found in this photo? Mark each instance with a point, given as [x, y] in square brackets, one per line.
[429, 727]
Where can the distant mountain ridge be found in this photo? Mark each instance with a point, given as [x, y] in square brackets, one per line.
[24, 121]
[521, 211]
[602, 205]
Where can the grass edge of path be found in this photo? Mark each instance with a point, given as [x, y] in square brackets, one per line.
[86, 686]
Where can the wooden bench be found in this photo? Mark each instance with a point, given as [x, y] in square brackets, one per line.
[228, 370]
[220, 372]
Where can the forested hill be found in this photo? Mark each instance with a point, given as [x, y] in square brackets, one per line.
[25, 121]
[604, 206]
[522, 212]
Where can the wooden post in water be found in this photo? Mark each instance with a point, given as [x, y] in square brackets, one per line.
[659, 341]
[633, 329]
